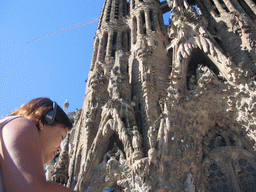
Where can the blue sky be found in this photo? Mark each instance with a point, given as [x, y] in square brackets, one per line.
[55, 66]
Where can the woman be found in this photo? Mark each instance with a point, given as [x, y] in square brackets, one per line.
[29, 138]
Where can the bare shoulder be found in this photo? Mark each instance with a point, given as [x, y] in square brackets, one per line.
[20, 131]
[19, 124]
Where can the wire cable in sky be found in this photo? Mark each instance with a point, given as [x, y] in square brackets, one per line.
[66, 29]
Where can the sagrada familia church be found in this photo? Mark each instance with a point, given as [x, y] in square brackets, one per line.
[167, 108]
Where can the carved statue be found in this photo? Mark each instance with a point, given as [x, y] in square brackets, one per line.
[192, 83]
[115, 83]
[152, 157]
[145, 50]
[189, 184]
[136, 144]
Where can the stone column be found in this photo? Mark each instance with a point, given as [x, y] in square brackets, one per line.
[209, 7]
[119, 40]
[100, 51]
[139, 25]
[231, 6]
[147, 20]
[95, 52]
[218, 5]
[109, 44]
[252, 5]
[134, 30]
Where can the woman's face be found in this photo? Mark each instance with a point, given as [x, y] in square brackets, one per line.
[50, 140]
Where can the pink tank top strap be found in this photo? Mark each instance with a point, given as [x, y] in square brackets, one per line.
[7, 121]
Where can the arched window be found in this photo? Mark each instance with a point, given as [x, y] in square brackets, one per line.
[198, 65]
[227, 164]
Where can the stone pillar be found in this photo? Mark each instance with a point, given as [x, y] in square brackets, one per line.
[100, 51]
[139, 24]
[134, 30]
[125, 41]
[109, 44]
[209, 7]
[119, 40]
[252, 5]
[231, 6]
[147, 20]
[218, 5]
[95, 52]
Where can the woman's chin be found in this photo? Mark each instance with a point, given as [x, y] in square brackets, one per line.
[47, 160]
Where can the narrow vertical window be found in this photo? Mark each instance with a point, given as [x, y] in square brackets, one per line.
[123, 42]
[215, 10]
[128, 40]
[161, 22]
[152, 20]
[105, 42]
[134, 30]
[114, 44]
[223, 5]
[247, 9]
[143, 22]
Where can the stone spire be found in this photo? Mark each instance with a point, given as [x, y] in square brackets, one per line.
[150, 66]
[112, 33]
[65, 106]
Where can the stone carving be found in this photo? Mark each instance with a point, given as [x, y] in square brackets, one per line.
[192, 83]
[115, 83]
[60, 175]
[189, 184]
[118, 86]
[144, 50]
[163, 118]
[137, 144]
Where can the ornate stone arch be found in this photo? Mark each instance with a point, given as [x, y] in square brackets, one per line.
[228, 161]
[196, 60]
[229, 169]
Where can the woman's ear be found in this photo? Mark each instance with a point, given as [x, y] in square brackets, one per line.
[41, 125]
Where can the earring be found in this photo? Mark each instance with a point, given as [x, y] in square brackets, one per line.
[41, 128]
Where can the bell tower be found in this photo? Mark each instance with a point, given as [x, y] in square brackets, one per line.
[149, 64]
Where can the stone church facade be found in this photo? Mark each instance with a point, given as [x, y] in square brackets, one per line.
[167, 107]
